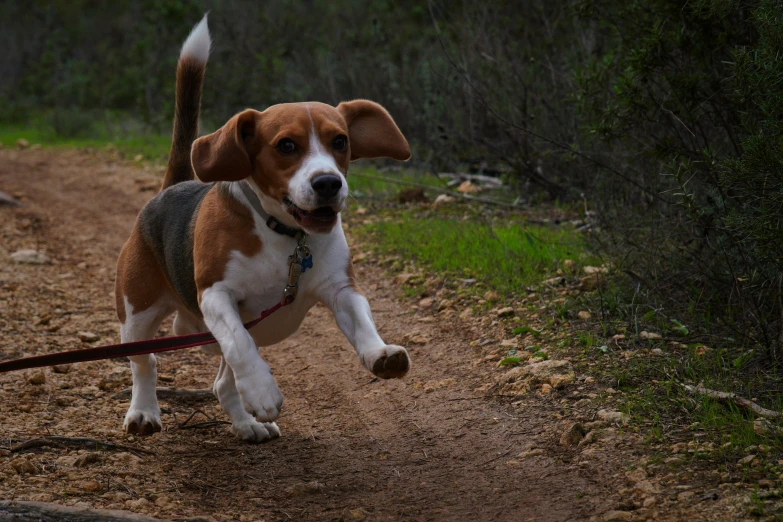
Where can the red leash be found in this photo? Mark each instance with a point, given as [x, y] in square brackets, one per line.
[163, 344]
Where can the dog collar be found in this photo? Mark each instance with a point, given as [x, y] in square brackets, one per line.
[271, 221]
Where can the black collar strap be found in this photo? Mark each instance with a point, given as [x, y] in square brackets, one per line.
[271, 221]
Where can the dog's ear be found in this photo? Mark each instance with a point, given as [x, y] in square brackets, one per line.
[227, 154]
[372, 132]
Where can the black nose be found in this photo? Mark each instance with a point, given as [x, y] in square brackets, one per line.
[327, 185]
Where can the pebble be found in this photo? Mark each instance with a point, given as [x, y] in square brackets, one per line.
[617, 515]
[23, 466]
[37, 378]
[30, 257]
[62, 368]
[505, 312]
[443, 199]
[649, 335]
[572, 435]
[88, 337]
[426, 302]
[612, 416]
[584, 315]
[746, 460]
[90, 486]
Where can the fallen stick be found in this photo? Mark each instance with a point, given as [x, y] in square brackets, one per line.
[732, 398]
[74, 442]
[438, 189]
[49, 512]
[172, 393]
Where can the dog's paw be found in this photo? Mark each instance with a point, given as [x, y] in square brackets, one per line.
[391, 362]
[260, 396]
[140, 422]
[255, 432]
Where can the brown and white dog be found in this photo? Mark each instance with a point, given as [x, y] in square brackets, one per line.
[209, 251]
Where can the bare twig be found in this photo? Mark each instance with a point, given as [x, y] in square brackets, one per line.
[25, 510]
[437, 189]
[172, 393]
[735, 399]
[75, 442]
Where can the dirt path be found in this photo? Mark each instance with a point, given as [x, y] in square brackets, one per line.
[429, 447]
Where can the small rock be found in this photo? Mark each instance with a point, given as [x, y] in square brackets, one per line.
[22, 144]
[617, 515]
[426, 302]
[591, 437]
[546, 388]
[491, 296]
[467, 187]
[513, 463]
[569, 265]
[8, 200]
[649, 502]
[591, 282]
[531, 453]
[595, 270]
[88, 337]
[442, 200]
[637, 475]
[612, 416]
[467, 312]
[138, 157]
[444, 304]
[361, 211]
[572, 435]
[649, 335]
[30, 257]
[505, 312]
[584, 315]
[744, 461]
[618, 337]
[554, 281]
[85, 460]
[90, 486]
[138, 504]
[403, 278]
[62, 368]
[37, 378]
[24, 466]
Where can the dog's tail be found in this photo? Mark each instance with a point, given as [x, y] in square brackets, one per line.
[190, 78]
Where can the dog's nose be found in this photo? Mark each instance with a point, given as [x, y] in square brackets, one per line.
[326, 185]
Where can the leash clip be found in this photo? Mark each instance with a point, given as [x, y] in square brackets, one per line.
[298, 262]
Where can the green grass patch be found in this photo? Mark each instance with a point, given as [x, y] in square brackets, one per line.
[507, 256]
[71, 131]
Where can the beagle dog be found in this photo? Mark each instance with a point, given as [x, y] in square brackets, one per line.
[217, 252]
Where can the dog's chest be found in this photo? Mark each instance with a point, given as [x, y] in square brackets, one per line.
[258, 282]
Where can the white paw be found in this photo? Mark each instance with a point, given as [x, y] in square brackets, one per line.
[255, 432]
[388, 362]
[260, 396]
[141, 422]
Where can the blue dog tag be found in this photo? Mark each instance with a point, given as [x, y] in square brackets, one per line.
[307, 262]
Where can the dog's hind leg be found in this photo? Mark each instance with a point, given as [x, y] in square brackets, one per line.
[243, 424]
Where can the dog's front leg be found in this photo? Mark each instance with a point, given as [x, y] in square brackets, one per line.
[257, 388]
[353, 315]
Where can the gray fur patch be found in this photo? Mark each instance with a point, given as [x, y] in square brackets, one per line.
[167, 223]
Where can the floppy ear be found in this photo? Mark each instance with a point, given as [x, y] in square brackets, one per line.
[227, 154]
[372, 132]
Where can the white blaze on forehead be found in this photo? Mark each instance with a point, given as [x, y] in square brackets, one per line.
[317, 161]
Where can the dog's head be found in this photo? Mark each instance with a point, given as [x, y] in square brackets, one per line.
[298, 154]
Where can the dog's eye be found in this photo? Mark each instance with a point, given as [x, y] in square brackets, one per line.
[340, 143]
[286, 147]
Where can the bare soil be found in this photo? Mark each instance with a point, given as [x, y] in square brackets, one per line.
[433, 446]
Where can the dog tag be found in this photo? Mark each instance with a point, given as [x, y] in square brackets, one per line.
[307, 262]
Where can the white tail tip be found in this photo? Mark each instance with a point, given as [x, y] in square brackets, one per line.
[197, 44]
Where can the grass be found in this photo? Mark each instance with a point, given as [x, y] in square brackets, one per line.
[129, 138]
[506, 256]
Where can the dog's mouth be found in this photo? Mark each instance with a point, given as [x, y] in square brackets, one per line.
[321, 219]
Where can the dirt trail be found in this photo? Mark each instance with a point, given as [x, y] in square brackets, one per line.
[429, 447]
